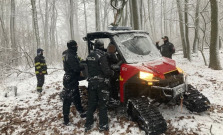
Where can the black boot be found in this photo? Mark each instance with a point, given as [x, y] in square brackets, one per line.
[66, 119]
[83, 114]
[88, 128]
[104, 128]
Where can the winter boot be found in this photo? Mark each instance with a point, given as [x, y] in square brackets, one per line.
[88, 128]
[83, 114]
[104, 128]
[39, 89]
[66, 119]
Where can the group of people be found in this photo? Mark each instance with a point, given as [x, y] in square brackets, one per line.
[99, 74]
[100, 64]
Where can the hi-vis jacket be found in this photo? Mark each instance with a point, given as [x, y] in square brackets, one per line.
[40, 65]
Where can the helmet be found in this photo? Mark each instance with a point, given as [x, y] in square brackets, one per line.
[99, 44]
[72, 45]
[39, 51]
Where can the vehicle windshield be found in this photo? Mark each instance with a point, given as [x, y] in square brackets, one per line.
[137, 47]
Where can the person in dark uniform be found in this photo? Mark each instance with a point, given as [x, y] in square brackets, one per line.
[114, 82]
[167, 49]
[98, 93]
[72, 68]
[40, 69]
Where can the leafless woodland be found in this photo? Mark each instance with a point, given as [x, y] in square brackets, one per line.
[25, 25]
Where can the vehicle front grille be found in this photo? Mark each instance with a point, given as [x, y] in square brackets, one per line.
[172, 81]
[167, 75]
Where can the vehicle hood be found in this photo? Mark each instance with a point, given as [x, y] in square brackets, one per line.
[158, 67]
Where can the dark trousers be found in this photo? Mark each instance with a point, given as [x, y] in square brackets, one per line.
[40, 81]
[114, 87]
[98, 96]
[72, 94]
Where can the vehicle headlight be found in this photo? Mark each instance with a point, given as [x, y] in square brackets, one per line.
[180, 70]
[147, 76]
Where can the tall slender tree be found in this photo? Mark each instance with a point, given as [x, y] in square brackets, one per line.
[135, 15]
[71, 19]
[187, 30]
[97, 16]
[46, 27]
[12, 32]
[195, 44]
[182, 34]
[35, 22]
[214, 46]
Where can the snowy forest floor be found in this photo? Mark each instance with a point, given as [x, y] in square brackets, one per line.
[30, 114]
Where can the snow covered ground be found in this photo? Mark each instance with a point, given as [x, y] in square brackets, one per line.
[28, 113]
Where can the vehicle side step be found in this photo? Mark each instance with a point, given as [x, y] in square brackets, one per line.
[148, 116]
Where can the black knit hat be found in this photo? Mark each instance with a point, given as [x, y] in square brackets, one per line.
[71, 44]
[99, 44]
[165, 37]
[39, 51]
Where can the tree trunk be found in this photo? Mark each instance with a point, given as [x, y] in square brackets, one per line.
[35, 22]
[195, 44]
[46, 27]
[182, 28]
[135, 13]
[71, 20]
[161, 17]
[141, 14]
[97, 16]
[76, 24]
[12, 33]
[4, 32]
[85, 17]
[187, 31]
[214, 46]
[105, 15]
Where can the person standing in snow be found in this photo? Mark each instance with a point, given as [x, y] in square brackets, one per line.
[40, 69]
[99, 73]
[167, 49]
[113, 61]
[72, 68]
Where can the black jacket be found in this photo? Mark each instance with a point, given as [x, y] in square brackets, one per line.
[167, 49]
[40, 65]
[71, 62]
[98, 64]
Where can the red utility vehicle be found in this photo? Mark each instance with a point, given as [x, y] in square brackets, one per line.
[146, 78]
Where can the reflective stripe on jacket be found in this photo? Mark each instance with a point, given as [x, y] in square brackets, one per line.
[40, 65]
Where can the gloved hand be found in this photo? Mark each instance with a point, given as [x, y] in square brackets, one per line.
[115, 67]
[112, 73]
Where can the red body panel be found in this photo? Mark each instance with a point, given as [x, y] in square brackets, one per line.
[157, 67]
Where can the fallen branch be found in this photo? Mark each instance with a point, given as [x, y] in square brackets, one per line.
[211, 131]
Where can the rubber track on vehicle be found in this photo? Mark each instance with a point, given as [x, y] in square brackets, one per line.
[149, 118]
[195, 101]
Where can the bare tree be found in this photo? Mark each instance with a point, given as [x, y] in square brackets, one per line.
[85, 17]
[97, 16]
[12, 32]
[182, 28]
[214, 46]
[195, 44]
[71, 19]
[35, 22]
[187, 30]
[135, 13]
[46, 26]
